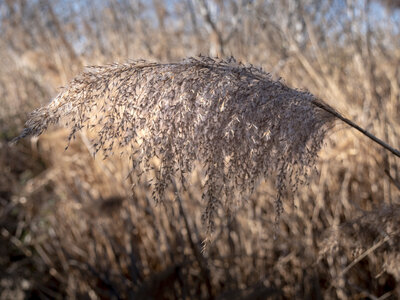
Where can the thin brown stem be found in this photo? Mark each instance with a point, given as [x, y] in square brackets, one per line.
[196, 251]
[355, 126]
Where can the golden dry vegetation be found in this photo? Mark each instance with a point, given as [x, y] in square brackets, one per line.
[75, 226]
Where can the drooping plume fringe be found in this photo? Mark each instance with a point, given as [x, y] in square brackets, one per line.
[237, 122]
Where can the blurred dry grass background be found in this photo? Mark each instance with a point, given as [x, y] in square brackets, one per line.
[69, 224]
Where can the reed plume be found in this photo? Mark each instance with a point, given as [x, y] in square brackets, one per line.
[235, 120]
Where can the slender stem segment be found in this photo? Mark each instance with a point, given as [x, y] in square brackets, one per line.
[354, 125]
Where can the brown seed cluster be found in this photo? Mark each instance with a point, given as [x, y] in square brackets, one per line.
[234, 120]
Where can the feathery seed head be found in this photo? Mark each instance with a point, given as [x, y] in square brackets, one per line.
[237, 122]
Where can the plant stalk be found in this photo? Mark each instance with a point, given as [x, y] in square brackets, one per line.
[355, 126]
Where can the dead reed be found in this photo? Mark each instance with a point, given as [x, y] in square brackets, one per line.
[237, 122]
